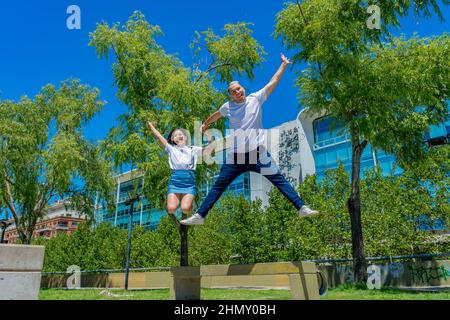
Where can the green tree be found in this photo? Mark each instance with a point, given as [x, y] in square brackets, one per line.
[156, 86]
[213, 243]
[103, 247]
[387, 90]
[44, 154]
[328, 235]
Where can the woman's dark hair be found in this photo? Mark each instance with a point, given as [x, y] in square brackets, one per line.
[169, 136]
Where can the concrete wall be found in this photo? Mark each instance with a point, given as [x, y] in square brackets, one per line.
[20, 271]
[396, 274]
[157, 280]
[136, 280]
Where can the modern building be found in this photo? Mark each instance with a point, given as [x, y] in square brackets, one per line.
[143, 214]
[56, 220]
[309, 144]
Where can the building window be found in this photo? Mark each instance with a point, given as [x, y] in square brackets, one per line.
[328, 130]
[62, 224]
[332, 145]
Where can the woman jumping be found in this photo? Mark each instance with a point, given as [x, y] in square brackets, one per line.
[183, 162]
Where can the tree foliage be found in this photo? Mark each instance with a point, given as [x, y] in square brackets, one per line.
[388, 91]
[156, 86]
[45, 156]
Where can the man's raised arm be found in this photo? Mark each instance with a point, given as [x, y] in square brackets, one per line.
[211, 119]
[277, 76]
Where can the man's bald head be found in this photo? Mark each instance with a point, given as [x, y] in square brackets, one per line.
[232, 83]
[236, 91]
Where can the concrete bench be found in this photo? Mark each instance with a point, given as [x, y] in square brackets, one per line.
[303, 278]
[20, 271]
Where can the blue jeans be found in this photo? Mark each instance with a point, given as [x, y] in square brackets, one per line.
[259, 161]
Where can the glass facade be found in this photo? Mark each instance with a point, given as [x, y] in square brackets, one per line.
[332, 144]
[440, 130]
[143, 214]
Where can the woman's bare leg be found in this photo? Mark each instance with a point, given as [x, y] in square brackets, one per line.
[186, 203]
[173, 201]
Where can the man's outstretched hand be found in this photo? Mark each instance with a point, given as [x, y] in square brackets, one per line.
[285, 60]
[203, 128]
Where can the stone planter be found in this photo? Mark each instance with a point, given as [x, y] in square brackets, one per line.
[185, 283]
[20, 271]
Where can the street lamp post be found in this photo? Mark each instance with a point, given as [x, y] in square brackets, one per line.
[184, 243]
[130, 202]
[4, 224]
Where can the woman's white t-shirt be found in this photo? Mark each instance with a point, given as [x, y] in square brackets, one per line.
[183, 158]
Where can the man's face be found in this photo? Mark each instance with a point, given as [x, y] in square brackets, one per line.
[237, 93]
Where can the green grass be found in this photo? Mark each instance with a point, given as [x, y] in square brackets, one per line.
[352, 292]
[95, 294]
[161, 294]
[346, 292]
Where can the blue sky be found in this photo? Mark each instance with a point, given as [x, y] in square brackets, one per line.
[38, 48]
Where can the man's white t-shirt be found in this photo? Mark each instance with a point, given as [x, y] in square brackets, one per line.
[183, 158]
[245, 122]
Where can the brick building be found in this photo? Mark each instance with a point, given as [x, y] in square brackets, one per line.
[56, 220]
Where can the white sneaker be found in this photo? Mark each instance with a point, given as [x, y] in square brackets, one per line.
[306, 211]
[194, 219]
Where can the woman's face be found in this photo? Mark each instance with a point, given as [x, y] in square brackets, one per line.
[179, 137]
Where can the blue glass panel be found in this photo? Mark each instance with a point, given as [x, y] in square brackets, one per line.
[320, 176]
[343, 152]
[367, 153]
[437, 131]
[328, 128]
[320, 159]
[447, 126]
[385, 167]
[331, 157]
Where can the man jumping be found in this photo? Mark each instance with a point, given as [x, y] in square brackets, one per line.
[247, 150]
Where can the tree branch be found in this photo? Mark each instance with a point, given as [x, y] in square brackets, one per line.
[9, 180]
[306, 23]
[211, 69]
[8, 196]
[123, 67]
[362, 145]
[301, 11]
[44, 198]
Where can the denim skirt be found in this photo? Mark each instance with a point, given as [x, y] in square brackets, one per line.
[182, 181]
